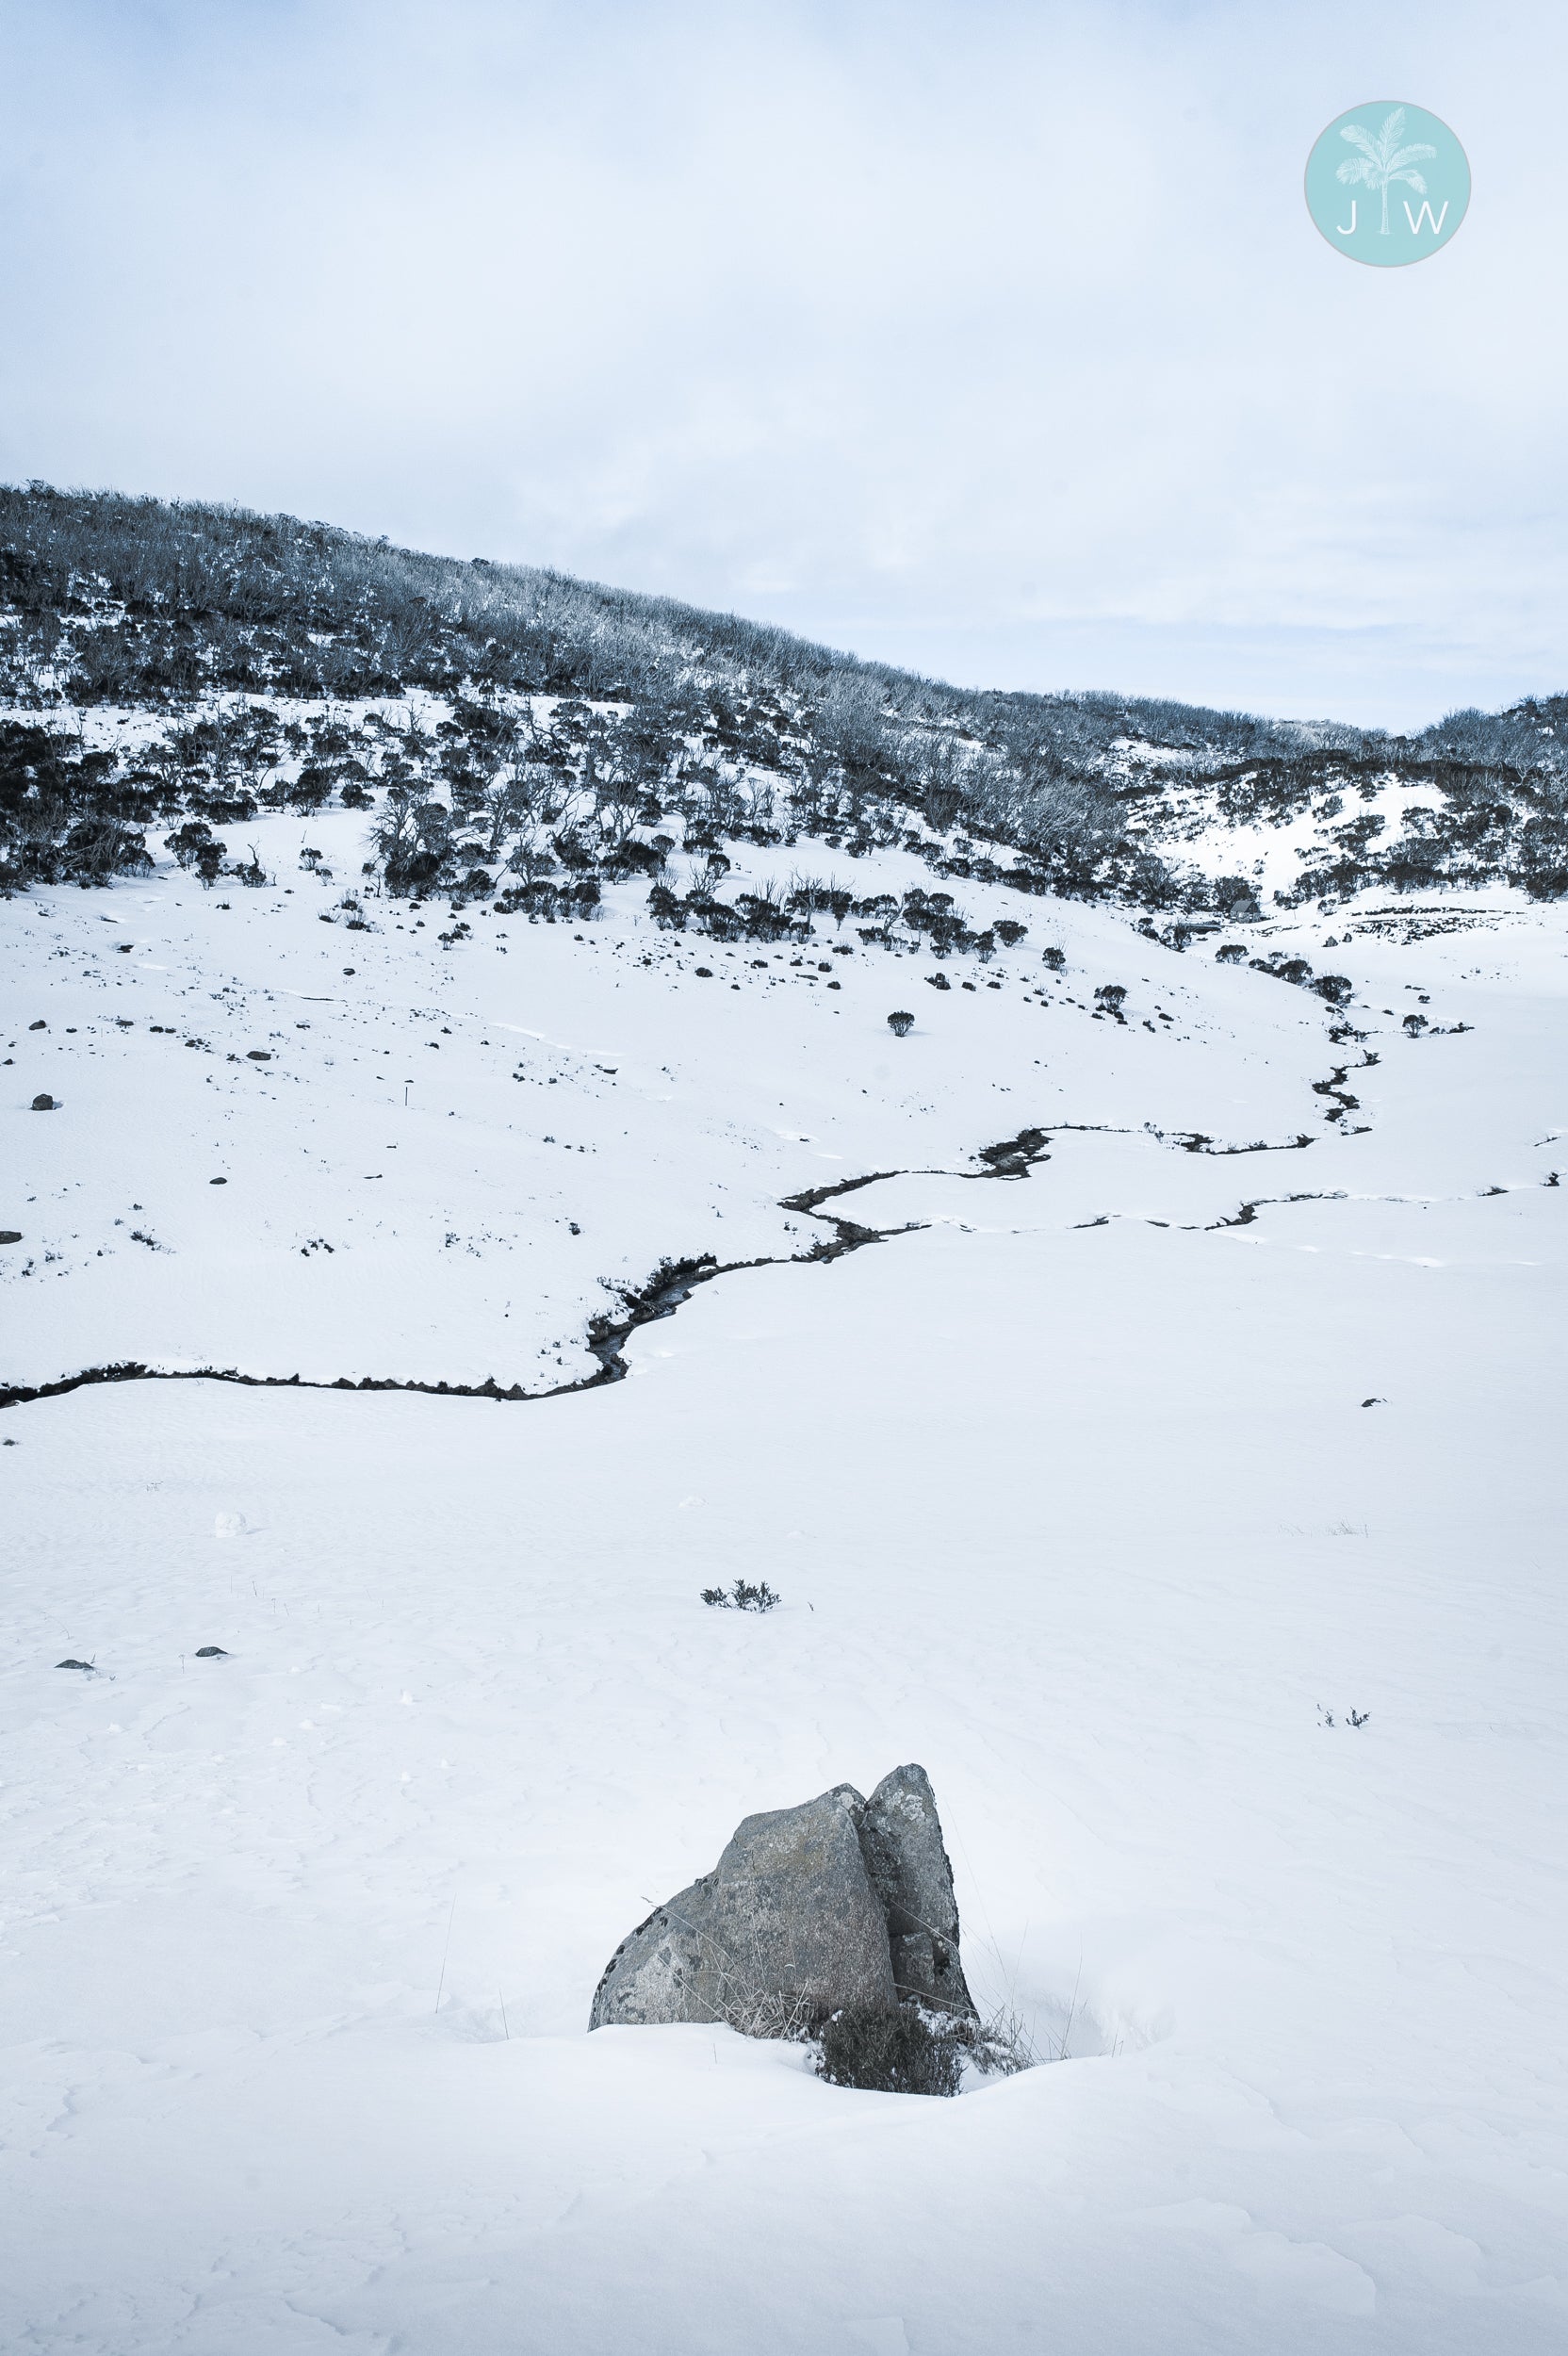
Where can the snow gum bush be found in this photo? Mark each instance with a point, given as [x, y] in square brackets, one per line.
[194, 845]
[64, 817]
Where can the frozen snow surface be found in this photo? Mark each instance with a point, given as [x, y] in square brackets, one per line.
[1189, 1506]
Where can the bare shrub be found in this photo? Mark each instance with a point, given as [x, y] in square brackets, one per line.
[998, 2048]
[743, 1597]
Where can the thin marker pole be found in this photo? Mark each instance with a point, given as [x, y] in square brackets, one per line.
[442, 1981]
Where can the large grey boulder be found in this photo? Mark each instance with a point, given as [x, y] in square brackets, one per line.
[785, 1930]
[837, 1902]
[900, 1840]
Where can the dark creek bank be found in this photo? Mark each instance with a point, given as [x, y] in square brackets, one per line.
[674, 1282]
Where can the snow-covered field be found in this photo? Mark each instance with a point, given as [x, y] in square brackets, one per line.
[1111, 1501]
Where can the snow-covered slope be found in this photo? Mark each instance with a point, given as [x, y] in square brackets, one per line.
[1187, 1505]
[448, 1156]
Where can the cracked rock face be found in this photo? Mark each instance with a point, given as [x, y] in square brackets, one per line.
[837, 1902]
[901, 1838]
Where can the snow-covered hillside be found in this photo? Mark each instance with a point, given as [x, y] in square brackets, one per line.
[1178, 1485]
[182, 668]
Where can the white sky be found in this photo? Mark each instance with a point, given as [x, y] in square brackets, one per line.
[993, 339]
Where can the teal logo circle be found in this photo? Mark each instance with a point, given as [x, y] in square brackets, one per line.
[1387, 183]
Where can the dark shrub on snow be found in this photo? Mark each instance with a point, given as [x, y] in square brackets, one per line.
[889, 2052]
[194, 845]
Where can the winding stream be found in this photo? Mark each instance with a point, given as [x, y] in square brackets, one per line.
[673, 1284]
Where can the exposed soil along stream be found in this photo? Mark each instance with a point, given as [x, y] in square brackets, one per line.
[673, 1284]
[1248, 1211]
[1335, 1087]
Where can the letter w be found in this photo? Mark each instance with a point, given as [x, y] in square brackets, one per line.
[1415, 219]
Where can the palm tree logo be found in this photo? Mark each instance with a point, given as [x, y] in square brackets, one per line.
[1382, 161]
